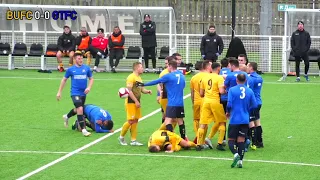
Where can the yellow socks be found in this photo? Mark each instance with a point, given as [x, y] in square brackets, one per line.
[222, 131]
[134, 131]
[195, 126]
[191, 144]
[200, 135]
[125, 129]
[214, 130]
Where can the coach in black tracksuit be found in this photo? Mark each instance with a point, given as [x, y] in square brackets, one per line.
[211, 45]
[300, 44]
[149, 41]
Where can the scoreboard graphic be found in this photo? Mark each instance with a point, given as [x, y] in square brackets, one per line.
[41, 15]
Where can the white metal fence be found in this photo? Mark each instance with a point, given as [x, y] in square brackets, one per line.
[265, 50]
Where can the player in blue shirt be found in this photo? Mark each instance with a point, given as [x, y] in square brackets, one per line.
[231, 79]
[174, 83]
[255, 83]
[79, 73]
[240, 100]
[99, 119]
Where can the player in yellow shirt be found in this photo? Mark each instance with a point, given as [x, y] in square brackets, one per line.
[212, 110]
[162, 92]
[132, 105]
[164, 140]
[196, 99]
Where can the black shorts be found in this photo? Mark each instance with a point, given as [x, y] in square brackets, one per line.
[255, 114]
[224, 104]
[175, 112]
[78, 101]
[236, 130]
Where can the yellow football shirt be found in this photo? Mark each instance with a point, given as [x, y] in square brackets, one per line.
[162, 138]
[195, 86]
[164, 91]
[131, 82]
[211, 84]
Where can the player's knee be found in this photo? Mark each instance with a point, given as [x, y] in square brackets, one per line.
[203, 126]
[154, 149]
[79, 108]
[251, 124]
[222, 127]
[59, 54]
[257, 122]
[71, 54]
[240, 139]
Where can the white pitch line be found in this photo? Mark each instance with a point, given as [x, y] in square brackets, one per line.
[165, 155]
[114, 79]
[86, 146]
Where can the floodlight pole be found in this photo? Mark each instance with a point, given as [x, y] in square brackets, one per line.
[233, 17]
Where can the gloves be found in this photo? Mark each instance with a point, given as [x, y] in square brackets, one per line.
[217, 54]
[203, 56]
[139, 84]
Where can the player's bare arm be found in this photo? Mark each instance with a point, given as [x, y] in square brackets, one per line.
[222, 90]
[202, 92]
[89, 85]
[146, 91]
[62, 84]
[159, 89]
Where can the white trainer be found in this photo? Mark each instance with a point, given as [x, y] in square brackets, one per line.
[135, 143]
[122, 141]
[85, 132]
[209, 143]
[66, 120]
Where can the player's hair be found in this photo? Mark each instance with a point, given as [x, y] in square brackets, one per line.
[100, 29]
[174, 55]
[215, 65]
[234, 62]
[153, 149]
[198, 65]
[254, 65]
[169, 58]
[212, 26]
[135, 65]
[109, 125]
[116, 27]
[78, 53]
[224, 62]
[173, 64]
[241, 78]
[64, 27]
[243, 55]
[205, 64]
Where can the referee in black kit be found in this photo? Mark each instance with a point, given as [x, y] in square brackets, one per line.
[300, 44]
[149, 41]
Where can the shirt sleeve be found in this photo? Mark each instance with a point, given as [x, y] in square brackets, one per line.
[163, 79]
[227, 81]
[99, 129]
[130, 81]
[220, 82]
[89, 73]
[191, 84]
[202, 84]
[229, 103]
[68, 73]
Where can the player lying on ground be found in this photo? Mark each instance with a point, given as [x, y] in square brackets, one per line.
[99, 119]
[163, 140]
[175, 84]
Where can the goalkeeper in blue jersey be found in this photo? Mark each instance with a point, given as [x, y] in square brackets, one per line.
[98, 119]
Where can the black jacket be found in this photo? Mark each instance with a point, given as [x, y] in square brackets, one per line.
[67, 42]
[300, 42]
[210, 45]
[148, 34]
[113, 44]
[236, 48]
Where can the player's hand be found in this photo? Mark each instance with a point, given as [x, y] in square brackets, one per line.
[138, 105]
[149, 92]
[169, 151]
[228, 115]
[158, 99]
[67, 51]
[111, 131]
[58, 96]
[139, 84]
[87, 91]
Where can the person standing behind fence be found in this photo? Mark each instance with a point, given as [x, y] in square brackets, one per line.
[66, 46]
[211, 45]
[149, 41]
[99, 48]
[116, 42]
[300, 44]
[83, 42]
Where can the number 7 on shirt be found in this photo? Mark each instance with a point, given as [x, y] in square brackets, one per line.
[178, 76]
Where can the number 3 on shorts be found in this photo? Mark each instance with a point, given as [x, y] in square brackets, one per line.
[243, 93]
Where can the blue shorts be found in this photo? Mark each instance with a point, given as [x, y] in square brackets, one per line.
[175, 112]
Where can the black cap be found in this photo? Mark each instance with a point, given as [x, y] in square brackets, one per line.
[147, 15]
[300, 22]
